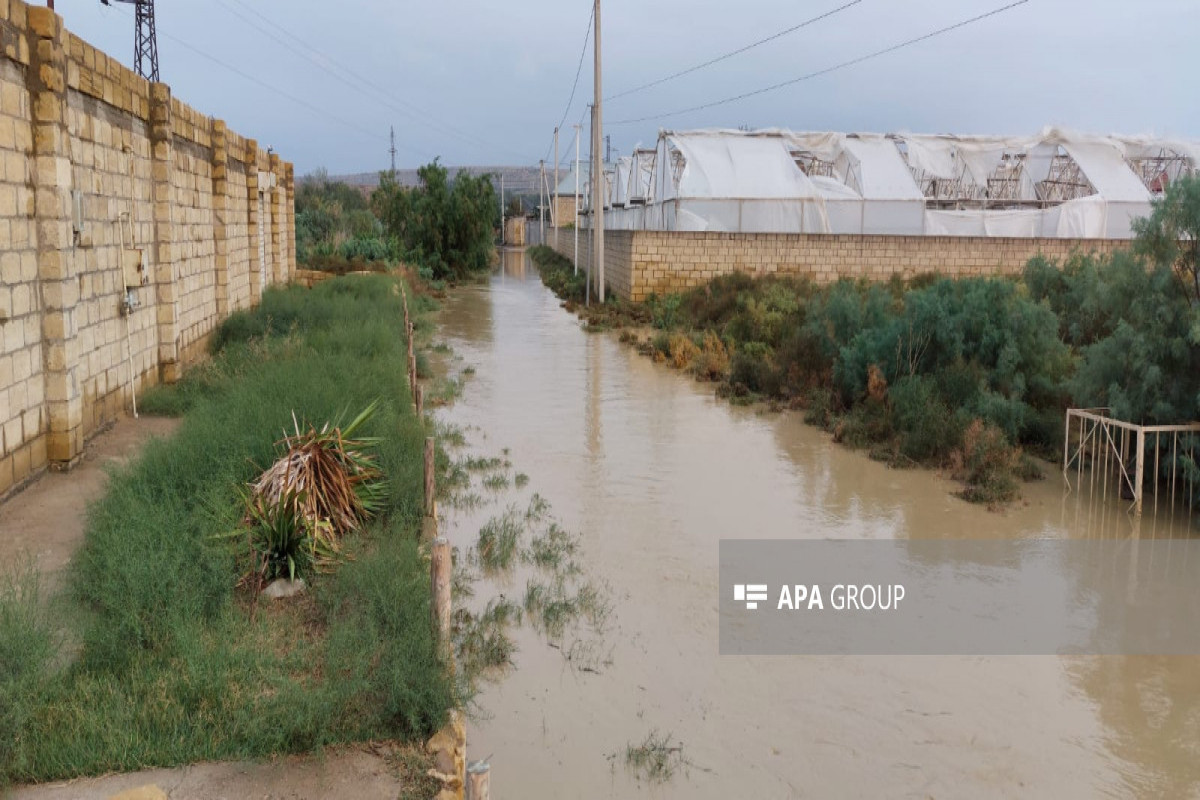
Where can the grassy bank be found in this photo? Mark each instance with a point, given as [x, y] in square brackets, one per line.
[971, 375]
[152, 656]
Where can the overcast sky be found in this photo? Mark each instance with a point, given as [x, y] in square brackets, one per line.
[485, 83]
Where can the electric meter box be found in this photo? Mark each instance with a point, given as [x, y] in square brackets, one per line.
[134, 269]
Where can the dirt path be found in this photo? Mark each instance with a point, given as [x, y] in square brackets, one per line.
[46, 522]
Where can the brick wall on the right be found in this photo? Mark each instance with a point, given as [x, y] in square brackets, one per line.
[639, 263]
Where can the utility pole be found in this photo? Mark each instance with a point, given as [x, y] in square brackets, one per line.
[608, 149]
[392, 150]
[578, 133]
[554, 208]
[542, 204]
[502, 209]
[598, 166]
[587, 292]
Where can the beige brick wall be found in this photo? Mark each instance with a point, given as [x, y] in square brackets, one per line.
[192, 223]
[639, 263]
[148, 170]
[110, 167]
[23, 416]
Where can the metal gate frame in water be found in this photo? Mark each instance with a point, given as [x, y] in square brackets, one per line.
[1107, 442]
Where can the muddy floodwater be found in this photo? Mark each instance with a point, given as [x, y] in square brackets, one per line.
[650, 470]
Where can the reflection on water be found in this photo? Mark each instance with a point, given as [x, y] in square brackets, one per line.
[652, 472]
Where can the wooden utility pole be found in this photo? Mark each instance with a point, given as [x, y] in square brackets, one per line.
[542, 203]
[598, 166]
[554, 208]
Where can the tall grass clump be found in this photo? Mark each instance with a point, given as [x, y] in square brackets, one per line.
[175, 664]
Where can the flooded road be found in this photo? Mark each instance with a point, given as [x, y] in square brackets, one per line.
[651, 471]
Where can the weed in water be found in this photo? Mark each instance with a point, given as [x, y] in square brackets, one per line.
[496, 482]
[552, 550]
[481, 640]
[466, 501]
[520, 480]
[499, 539]
[481, 464]
[450, 435]
[656, 759]
[537, 510]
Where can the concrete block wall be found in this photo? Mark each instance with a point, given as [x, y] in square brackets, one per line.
[80, 131]
[640, 263]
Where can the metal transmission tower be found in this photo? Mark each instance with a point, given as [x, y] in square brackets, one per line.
[145, 43]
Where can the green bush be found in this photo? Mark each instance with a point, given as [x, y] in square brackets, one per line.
[925, 423]
[444, 226]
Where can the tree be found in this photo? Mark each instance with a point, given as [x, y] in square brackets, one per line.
[445, 227]
[1170, 236]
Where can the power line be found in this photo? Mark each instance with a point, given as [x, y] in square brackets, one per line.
[732, 53]
[269, 87]
[578, 71]
[825, 71]
[355, 81]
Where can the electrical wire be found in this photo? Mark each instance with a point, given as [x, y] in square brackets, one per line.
[275, 89]
[578, 71]
[825, 71]
[732, 53]
[356, 81]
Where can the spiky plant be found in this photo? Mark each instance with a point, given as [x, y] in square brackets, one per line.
[325, 485]
[325, 475]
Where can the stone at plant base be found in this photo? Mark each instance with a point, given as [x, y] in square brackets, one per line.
[283, 588]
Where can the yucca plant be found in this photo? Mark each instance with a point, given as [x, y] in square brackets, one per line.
[325, 485]
[326, 475]
[284, 545]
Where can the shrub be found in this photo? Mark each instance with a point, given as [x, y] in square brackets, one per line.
[664, 311]
[711, 363]
[925, 424]
[681, 349]
[990, 464]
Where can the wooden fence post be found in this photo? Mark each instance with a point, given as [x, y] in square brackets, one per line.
[440, 579]
[419, 391]
[430, 475]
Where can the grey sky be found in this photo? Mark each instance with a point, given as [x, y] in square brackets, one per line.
[499, 74]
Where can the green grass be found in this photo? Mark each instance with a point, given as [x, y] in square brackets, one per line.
[172, 667]
[499, 540]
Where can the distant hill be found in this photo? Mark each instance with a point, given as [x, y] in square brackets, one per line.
[523, 180]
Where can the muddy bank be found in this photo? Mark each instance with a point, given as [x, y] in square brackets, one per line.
[651, 471]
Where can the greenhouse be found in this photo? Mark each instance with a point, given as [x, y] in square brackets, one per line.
[1056, 184]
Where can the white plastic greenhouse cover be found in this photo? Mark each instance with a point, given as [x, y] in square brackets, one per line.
[719, 180]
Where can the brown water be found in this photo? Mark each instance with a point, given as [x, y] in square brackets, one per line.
[651, 470]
